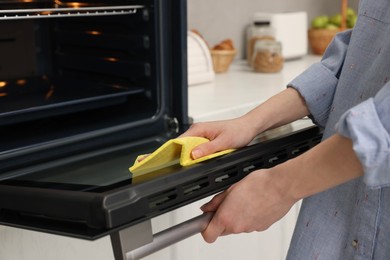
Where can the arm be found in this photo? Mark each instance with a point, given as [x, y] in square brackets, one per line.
[265, 196]
[368, 126]
[283, 108]
[280, 109]
[317, 84]
[310, 93]
[362, 145]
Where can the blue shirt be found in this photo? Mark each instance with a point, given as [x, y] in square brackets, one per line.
[349, 92]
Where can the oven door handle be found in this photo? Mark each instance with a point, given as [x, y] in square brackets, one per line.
[148, 244]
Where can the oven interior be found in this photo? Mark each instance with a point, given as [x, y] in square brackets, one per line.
[81, 76]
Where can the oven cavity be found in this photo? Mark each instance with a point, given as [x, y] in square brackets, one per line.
[74, 72]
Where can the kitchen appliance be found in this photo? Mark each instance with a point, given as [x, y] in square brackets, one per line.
[290, 28]
[87, 86]
[200, 66]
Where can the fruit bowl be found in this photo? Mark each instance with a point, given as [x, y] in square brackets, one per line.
[324, 28]
[319, 39]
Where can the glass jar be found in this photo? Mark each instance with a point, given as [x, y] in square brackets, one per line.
[267, 56]
[259, 30]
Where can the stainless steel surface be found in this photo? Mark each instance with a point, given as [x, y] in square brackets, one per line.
[131, 238]
[16, 14]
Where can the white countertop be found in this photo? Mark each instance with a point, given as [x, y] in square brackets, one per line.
[240, 89]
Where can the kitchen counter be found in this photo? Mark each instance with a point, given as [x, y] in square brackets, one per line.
[229, 95]
[240, 89]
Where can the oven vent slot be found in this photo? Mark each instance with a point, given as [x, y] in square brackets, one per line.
[15, 14]
[277, 158]
[195, 186]
[162, 199]
[316, 140]
[253, 165]
[227, 175]
[300, 149]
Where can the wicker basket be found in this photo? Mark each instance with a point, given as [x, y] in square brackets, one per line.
[319, 39]
[222, 59]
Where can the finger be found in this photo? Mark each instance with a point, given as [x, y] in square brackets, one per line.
[142, 157]
[207, 149]
[196, 130]
[214, 203]
[213, 230]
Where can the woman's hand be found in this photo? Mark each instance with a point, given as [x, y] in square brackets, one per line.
[283, 108]
[223, 135]
[253, 204]
[265, 196]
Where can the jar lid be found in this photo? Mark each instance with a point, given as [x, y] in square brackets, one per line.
[269, 45]
[262, 23]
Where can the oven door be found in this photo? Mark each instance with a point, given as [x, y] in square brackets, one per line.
[92, 195]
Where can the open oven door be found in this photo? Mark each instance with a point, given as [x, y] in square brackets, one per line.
[93, 195]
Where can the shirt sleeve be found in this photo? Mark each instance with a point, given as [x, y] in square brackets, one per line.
[318, 83]
[368, 126]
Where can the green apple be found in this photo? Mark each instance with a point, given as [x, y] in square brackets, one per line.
[320, 22]
[331, 26]
[336, 20]
[350, 12]
[351, 21]
[351, 17]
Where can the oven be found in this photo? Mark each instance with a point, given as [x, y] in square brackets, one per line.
[87, 86]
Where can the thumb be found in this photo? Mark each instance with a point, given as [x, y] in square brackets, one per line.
[204, 149]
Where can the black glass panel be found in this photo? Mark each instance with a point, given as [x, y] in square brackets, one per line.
[92, 172]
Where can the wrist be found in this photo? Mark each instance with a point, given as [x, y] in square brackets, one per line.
[284, 183]
[325, 166]
[258, 119]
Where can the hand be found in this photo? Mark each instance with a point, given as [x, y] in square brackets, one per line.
[283, 108]
[234, 133]
[253, 204]
[265, 196]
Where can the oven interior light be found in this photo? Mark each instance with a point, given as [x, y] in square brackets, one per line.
[71, 4]
[75, 5]
[45, 13]
[94, 32]
[21, 82]
[49, 93]
[111, 59]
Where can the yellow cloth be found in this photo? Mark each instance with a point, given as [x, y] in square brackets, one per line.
[172, 152]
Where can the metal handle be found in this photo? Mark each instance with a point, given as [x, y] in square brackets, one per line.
[171, 236]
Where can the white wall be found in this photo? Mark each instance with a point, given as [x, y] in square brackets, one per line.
[221, 19]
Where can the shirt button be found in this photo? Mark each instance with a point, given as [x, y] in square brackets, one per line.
[355, 243]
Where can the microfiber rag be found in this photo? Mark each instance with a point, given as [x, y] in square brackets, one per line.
[172, 152]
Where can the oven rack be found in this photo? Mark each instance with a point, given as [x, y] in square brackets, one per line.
[16, 14]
